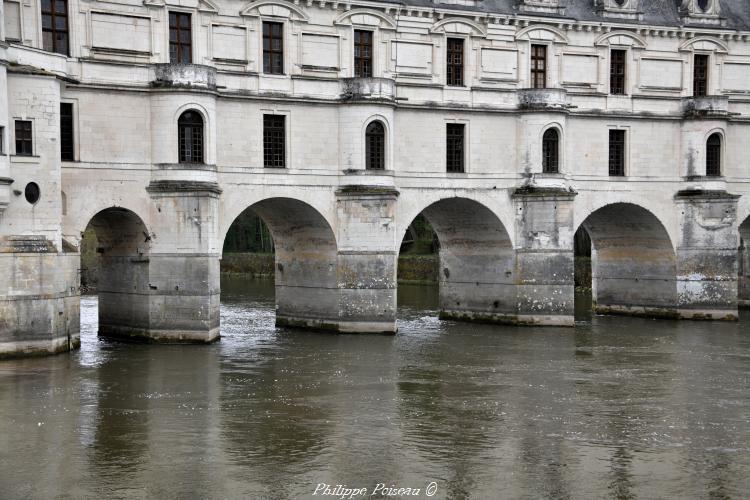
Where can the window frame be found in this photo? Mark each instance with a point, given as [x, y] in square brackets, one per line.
[718, 156]
[2, 140]
[451, 156]
[29, 140]
[455, 72]
[623, 157]
[358, 62]
[72, 148]
[703, 91]
[267, 149]
[53, 15]
[556, 157]
[270, 70]
[383, 156]
[618, 82]
[179, 29]
[196, 150]
[533, 70]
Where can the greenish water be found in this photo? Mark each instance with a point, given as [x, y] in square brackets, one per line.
[615, 408]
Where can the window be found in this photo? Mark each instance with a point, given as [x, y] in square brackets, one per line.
[190, 137]
[55, 26]
[617, 72]
[32, 192]
[273, 48]
[24, 143]
[700, 75]
[455, 62]
[2, 139]
[67, 152]
[539, 66]
[180, 38]
[362, 54]
[454, 147]
[274, 141]
[617, 152]
[713, 156]
[375, 146]
[550, 151]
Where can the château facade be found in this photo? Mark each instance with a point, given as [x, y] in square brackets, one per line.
[509, 124]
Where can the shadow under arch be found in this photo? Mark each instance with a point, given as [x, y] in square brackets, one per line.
[634, 266]
[743, 286]
[305, 262]
[475, 276]
[123, 245]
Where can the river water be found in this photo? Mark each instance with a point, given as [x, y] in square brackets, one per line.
[615, 408]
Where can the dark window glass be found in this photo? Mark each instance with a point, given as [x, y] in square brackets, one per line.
[2, 140]
[375, 146]
[617, 72]
[190, 137]
[67, 152]
[55, 26]
[32, 192]
[539, 66]
[362, 54]
[617, 152]
[24, 143]
[713, 156]
[180, 38]
[274, 141]
[273, 48]
[700, 75]
[455, 62]
[550, 151]
[454, 146]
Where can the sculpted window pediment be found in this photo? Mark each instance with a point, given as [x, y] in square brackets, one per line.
[621, 38]
[546, 6]
[542, 34]
[458, 26]
[366, 17]
[274, 8]
[201, 5]
[620, 9]
[705, 44]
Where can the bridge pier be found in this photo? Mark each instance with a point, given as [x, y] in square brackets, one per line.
[707, 254]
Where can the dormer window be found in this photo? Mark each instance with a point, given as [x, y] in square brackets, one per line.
[620, 9]
[701, 12]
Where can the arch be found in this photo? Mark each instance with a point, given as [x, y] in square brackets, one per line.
[190, 137]
[459, 26]
[704, 43]
[620, 37]
[306, 262]
[714, 154]
[542, 34]
[366, 17]
[634, 268]
[476, 276]
[274, 8]
[551, 151]
[123, 244]
[375, 146]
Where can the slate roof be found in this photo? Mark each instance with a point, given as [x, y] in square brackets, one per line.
[655, 12]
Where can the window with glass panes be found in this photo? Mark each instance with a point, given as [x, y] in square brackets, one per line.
[617, 152]
[273, 48]
[455, 62]
[55, 26]
[362, 54]
[24, 141]
[617, 72]
[274, 141]
[454, 147]
[539, 66]
[180, 38]
[700, 75]
[67, 151]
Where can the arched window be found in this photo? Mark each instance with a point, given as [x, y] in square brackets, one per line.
[190, 130]
[550, 151]
[375, 146]
[713, 155]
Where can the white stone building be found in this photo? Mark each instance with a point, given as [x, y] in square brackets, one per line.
[508, 123]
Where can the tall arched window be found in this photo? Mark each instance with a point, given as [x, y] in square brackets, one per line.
[550, 151]
[713, 155]
[190, 131]
[375, 146]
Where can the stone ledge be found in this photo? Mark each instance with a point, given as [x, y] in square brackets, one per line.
[166, 186]
[26, 244]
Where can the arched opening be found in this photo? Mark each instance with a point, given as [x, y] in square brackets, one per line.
[290, 245]
[743, 257]
[114, 266]
[190, 135]
[375, 146]
[551, 151]
[474, 266]
[633, 264]
[713, 155]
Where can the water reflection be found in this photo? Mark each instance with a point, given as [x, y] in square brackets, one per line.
[617, 407]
